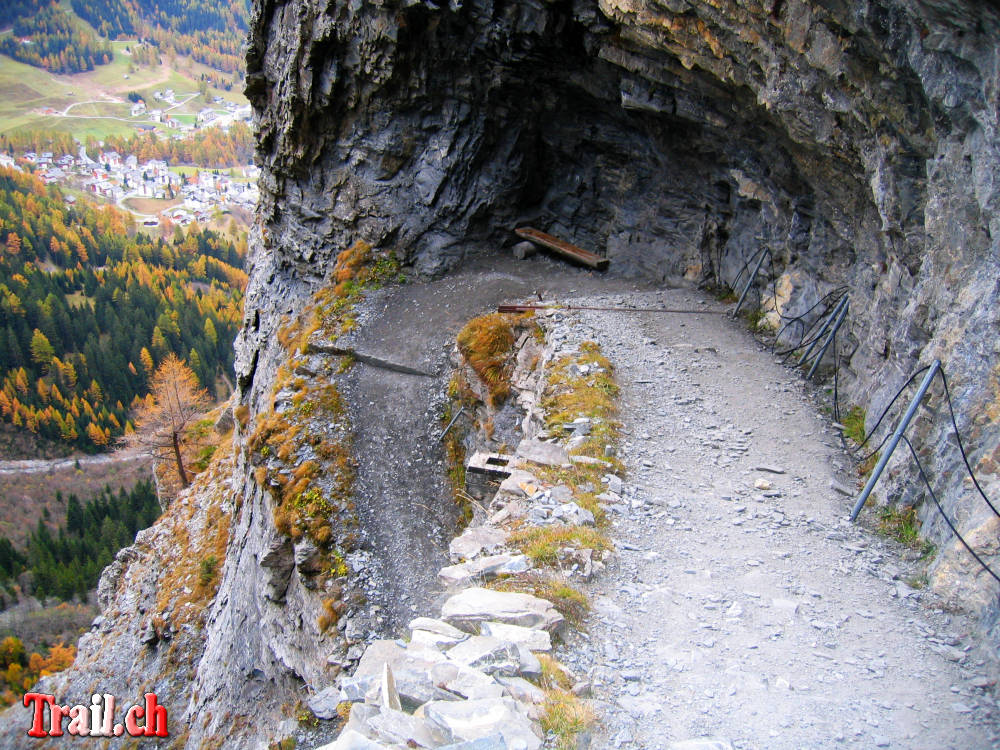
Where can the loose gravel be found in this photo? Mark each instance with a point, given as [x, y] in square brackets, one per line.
[745, 608]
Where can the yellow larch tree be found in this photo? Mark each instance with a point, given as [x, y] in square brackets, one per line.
[176, 400]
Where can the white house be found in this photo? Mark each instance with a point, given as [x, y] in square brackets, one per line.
[138, 108]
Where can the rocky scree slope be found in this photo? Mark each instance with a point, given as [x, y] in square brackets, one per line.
[857, 141]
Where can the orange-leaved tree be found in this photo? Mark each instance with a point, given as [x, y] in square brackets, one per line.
[175, 401]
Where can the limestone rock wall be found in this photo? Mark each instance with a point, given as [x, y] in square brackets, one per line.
[857, 140]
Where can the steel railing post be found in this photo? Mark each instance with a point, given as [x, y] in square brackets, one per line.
[829, 339]
[766, 251]
[896, 437]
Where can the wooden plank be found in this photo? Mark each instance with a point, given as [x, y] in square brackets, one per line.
[563, 248]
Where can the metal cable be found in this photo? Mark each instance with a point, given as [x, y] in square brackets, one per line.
[676, 311]
[746, 266]
[786, 320]
[838, 292]
[805, 340]
[923, 475]
[882, 416]
[961, 447]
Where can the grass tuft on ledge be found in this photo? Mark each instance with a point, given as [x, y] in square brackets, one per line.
[542, 543]
[565, 716]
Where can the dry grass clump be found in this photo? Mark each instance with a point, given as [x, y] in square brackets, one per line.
[542, 543]
[901, 523]
[356, 268]
[332, 609]
[569, 395]
[854, 424]
[554, 675]
[350, 262]
[565, 716]
[487, 343]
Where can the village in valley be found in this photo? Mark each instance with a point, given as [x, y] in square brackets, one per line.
[122, 100]
[189, 195]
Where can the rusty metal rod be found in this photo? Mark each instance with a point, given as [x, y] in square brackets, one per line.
[527, 308]
[452, 422]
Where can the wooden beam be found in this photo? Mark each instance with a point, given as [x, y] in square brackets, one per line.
[563, 248]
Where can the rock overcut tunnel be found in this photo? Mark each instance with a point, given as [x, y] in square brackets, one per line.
[456, 125]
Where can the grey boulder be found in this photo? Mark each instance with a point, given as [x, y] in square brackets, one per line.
[468, 608]
[546, 454]
[465, 721]
[484, 568]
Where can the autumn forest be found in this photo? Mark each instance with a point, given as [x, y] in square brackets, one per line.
[88, 308]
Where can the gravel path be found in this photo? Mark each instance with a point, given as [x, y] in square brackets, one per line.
[759, 617]
[401, 470]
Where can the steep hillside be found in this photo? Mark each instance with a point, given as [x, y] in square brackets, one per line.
[50, 35]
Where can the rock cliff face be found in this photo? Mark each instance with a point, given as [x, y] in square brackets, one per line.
[857, 140]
